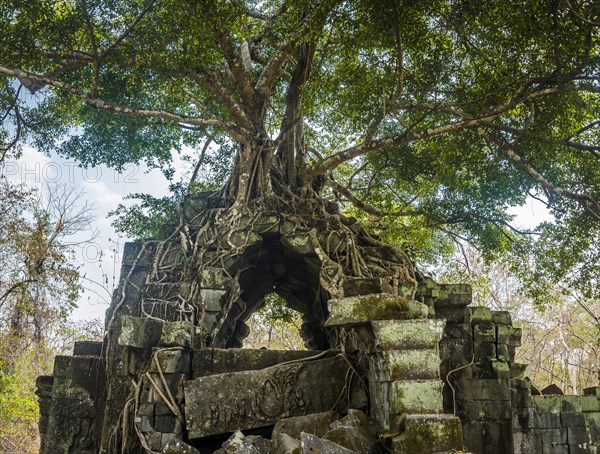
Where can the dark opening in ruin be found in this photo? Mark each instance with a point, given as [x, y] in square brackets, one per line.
[280, 265]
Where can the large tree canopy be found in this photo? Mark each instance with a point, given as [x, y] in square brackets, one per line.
[437, 114]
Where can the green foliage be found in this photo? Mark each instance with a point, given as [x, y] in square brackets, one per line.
[441, 114]
[275, 326]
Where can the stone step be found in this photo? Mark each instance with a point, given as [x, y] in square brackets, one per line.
[416, 396]
[405, 364]
[425, 434]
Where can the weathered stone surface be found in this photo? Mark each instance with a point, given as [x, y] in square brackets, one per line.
[316, 424]
[406, 334]
[222, 403]
[177, 334]
[87, 348]
[172, 361]
[355, 310]
[238, 444]
[140, 332]
[284, 444]
[311, 444]
[354, 286]
[213, 278]
[405, 364]
[416, 397]
[217, 361]
[355, 432]
[428, 434]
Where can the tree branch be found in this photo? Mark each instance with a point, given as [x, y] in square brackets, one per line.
[408, 136]
[588, 203]
[375, 212]
[233, 130]
[236, 67]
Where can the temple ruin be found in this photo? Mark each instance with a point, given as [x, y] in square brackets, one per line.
[402, 365]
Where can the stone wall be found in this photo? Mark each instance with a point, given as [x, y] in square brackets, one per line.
[432, 373]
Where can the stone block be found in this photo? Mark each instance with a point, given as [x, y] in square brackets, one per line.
[571, 404]
[484, 351]
[140, 332]
[217, 361]
[478, 315]
[520, 398]
[450, 314]
[573, 419]
[405, 364]
[517, 370]
[592, 420]
[523, 419]
[501, 318]
[500, 369]
[144, 423]
[429, 433]
[487, 437]
[167, 423]
[406, 334]
[87, 348]
[589, 403]
[177, 334]
[458, 331]
[554, 436]
[555, 448]
[213, 278]
[211, 299]
[172, 361]
[547, 411]
[482, 389]
[355, 432]
[310, 444]
[217, 404]
[484, 410]
[356, 310]
[484, 333]
[527, 442]
[355, 286]
[416, 396]
[178, 447]
[453, 295]
[316, 424]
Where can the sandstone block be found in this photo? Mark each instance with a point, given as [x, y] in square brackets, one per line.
[356, 310]
[416, 396]
[407, 334]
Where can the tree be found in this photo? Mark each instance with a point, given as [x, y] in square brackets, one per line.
[39, 285]
[432, 116]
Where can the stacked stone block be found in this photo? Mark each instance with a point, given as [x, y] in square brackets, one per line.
[555, 424]
[71, 402]
[403, 366]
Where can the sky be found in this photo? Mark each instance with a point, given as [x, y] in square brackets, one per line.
[105, 189]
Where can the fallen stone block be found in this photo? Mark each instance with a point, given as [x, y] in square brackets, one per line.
[223, 403]
[355, 432]
[179, 447]
[316, 424]
[311, 444]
